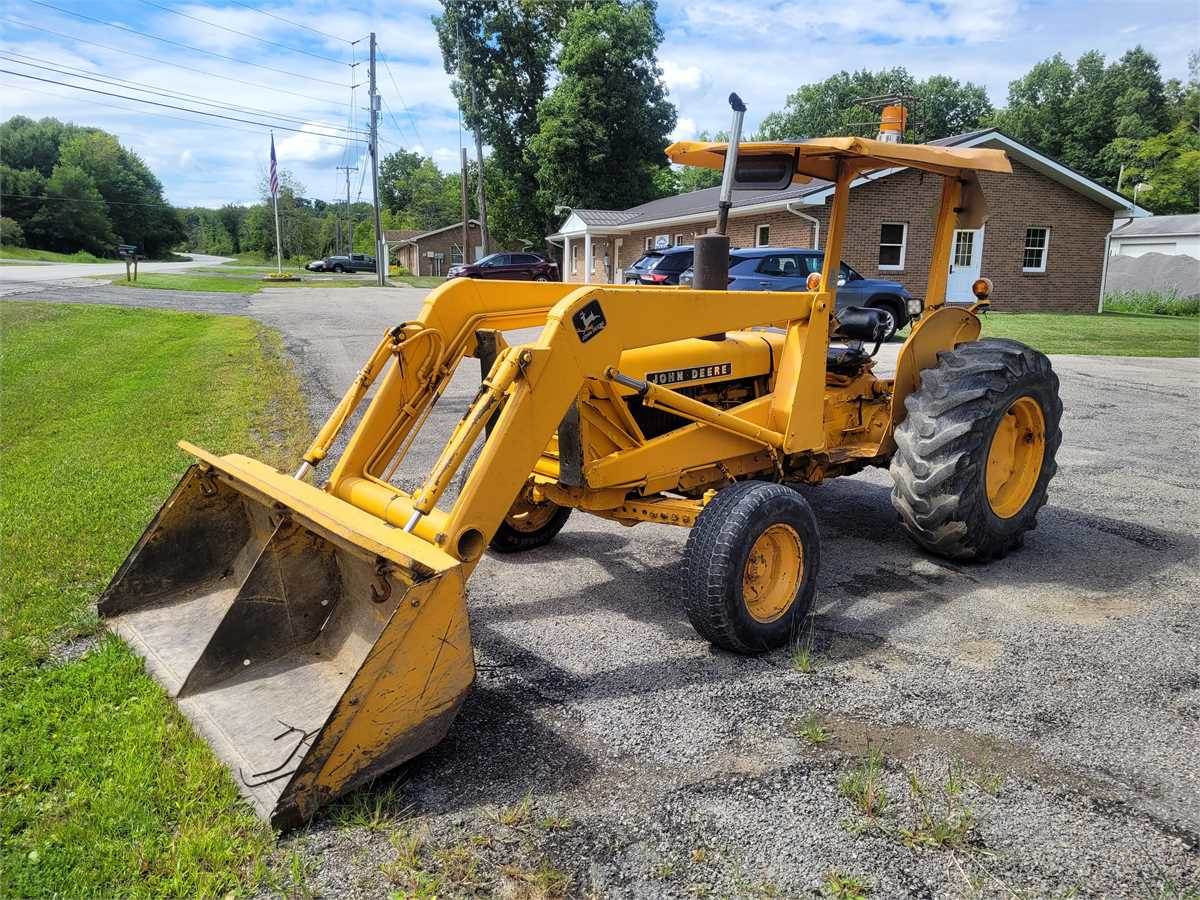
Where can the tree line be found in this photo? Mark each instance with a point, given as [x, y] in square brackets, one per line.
[67, 187]
[571, 101]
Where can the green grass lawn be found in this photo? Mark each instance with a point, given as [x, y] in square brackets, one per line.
[238, 282]
[418, 281]
[9, 252]
[1111, 334]
[104, 789]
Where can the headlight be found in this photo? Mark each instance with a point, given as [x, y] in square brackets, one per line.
[916, 306]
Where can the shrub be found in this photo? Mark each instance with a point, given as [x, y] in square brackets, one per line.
[11, 233]
[1153, 303]
[399, 271]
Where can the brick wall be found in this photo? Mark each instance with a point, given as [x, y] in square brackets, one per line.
[442, 242]
[602, 252]
[1071, 282]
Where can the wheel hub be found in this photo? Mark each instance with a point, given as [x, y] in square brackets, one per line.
[1014, 459]
[528, 516]
[773, 572]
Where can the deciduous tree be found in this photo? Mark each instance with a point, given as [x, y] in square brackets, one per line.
[602, 129]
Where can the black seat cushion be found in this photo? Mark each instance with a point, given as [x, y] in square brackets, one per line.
[859, 323]
[846, 360]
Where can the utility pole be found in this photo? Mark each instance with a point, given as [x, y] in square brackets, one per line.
[466, 225]
[481, 202]
[349, 224]
[380, 246]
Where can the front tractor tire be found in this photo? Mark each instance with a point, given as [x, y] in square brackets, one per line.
[528, 524]
[750, 567]
[976, 451]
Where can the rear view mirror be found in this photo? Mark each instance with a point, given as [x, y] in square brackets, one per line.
[763, 172]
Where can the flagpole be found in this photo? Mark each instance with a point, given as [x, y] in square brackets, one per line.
[275, 200]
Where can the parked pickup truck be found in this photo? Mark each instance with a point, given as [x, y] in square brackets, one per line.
[355, 262]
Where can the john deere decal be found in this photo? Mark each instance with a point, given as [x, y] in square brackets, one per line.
[694, 373]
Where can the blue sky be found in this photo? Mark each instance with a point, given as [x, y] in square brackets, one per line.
[763, 50]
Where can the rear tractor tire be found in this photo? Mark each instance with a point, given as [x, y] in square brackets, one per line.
[976, 452]
[750, 567]
[528, 524]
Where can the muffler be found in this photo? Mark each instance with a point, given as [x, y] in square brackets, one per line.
[311, 644]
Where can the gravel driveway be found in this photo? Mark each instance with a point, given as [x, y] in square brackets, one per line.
[1037, 720]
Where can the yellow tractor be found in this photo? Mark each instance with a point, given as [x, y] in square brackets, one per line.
[318, 635]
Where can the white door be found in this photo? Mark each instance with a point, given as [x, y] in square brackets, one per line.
[966, 255]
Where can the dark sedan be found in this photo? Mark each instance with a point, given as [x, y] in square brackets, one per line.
[508, 267]
[788, 268]
[659, 266]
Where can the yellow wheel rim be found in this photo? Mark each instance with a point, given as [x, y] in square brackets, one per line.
[773, 572]
[527, 517]
[1014, 459]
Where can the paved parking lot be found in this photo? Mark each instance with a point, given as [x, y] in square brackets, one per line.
[1060, 686]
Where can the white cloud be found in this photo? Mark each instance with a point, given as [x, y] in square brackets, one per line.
[685, 128]
[763, 51]
[680, 77]
[310, 144]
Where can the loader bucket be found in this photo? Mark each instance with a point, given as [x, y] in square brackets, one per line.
[311, 644]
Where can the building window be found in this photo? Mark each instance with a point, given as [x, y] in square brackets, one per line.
[574, 258]
[678, 240]
[964, 248]
[1037, 245]
[762, 236]
[650, 243]
[892, 239]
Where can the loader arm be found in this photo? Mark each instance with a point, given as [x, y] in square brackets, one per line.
[583, 336]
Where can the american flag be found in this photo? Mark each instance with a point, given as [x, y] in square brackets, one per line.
[274, 170]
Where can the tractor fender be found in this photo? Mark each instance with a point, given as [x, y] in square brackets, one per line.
[942, 329]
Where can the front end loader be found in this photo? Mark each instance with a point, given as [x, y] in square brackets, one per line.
[317, 635]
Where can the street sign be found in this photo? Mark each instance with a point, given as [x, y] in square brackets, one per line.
[127, 250]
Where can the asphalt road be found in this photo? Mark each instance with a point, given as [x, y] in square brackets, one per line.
[1060, 685]
[21, 278]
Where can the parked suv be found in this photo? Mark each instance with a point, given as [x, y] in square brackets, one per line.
[659, 266]
[788, 268]
[508, 267]
[355, 262]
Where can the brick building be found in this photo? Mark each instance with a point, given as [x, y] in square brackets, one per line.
[433, 252]
[1042, 245]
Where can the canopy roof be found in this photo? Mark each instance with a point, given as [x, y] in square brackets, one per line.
[818, 157]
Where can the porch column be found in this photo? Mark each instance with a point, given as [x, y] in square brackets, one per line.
[566, 267]
[587, 257]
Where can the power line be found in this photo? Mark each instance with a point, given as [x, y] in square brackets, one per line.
[166, 62]
[114, 81]
[399, 98]
[126, 109]
[242, 33]
[290, 22]
[198, 112]
[164, 40]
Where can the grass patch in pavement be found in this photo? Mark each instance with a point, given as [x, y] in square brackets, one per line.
[236, 283]
[418, 281]
[104, 789]
[1110, 334]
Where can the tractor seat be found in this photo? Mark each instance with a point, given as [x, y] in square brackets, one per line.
[846, 360]
[860, 323]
